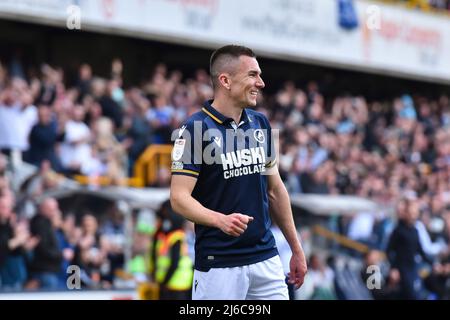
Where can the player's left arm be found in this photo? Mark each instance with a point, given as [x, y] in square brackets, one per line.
[280, 209]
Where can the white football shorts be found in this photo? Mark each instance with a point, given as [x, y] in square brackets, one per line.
[264, 280]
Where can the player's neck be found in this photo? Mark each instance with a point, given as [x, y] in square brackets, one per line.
[228, 109]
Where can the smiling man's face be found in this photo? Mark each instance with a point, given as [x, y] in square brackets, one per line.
[246, 82]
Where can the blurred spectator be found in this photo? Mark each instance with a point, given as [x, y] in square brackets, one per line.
[388, 288]
[90, 254]
[28, 117]
[160, 118]
[85, 80]
[139, 265]
[110, 108]
[285, 255]
[170, 264]
[322, 278]
[432, 249]
[437, 281]
[65, 246]
[48, 91]
[113, 237]
[76, 153]
[403, 247]
[46, 264]
[109, 152]
[10, 120]
[15, 240]
[138, 130]
[17, 116]
[43, 138]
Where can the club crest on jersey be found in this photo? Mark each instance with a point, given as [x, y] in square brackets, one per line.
[259, 135]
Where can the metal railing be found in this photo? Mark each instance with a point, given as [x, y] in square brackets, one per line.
[340, 239]
[154, 158]
[146, 169]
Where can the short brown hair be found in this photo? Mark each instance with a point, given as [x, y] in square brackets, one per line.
[224, 56]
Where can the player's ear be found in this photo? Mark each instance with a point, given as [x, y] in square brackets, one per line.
[224, 79]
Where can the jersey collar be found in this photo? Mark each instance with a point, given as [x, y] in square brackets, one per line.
[218, 117]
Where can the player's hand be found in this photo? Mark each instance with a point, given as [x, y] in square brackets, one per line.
[234, 224]
[298, 270]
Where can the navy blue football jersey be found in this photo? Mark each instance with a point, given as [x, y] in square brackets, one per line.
[229, 161]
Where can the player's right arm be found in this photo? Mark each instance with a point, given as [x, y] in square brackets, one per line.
[183, 203]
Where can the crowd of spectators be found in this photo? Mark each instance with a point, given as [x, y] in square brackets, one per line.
[35, 253]
[383, 150]
[38, 241]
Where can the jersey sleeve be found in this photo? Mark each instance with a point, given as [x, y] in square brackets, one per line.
[187, 150]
